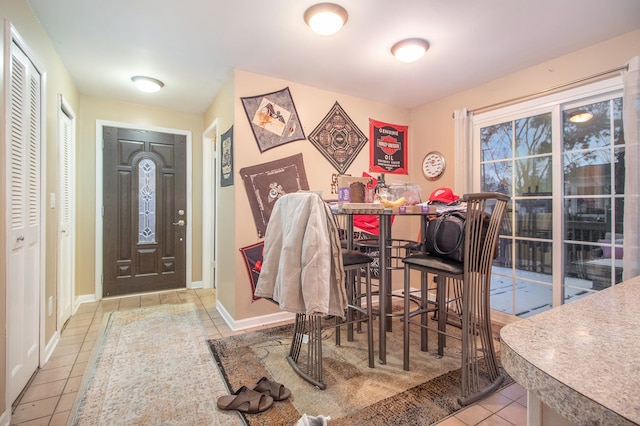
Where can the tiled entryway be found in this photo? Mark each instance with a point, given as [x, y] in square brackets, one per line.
[49, 397]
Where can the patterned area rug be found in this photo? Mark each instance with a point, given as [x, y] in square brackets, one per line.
[355, 394]
[152, 366]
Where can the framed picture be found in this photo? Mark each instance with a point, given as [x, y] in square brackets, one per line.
[388, 148]
[273, 119]
[267, 182]
[338, 138]
[252, 256]
[226, 162]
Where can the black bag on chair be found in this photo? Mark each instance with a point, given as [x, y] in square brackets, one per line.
[445, 236]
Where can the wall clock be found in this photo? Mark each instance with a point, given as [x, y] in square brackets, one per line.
[433, 165]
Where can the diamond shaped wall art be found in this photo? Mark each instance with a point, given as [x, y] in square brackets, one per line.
[338, 138]
[273, 118]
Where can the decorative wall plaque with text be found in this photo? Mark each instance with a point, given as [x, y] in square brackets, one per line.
[388, 148]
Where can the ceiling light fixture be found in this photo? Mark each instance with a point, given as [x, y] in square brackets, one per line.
[326, 18]
[410, 50]
[580, 116]
[147, 84]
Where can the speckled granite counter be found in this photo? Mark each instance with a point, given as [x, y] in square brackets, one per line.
[582, 359]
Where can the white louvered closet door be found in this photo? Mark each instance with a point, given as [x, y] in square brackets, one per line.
[23, 251]
[66, 247]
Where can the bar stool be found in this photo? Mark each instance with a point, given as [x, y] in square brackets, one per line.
[399, 249]
[307, 271]
[474, 276]
[308, 328]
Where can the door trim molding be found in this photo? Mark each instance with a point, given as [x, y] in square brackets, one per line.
[100, 124]
[210, 174]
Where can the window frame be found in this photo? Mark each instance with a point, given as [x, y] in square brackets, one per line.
[554, 103]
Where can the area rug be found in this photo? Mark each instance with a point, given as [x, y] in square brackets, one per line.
[355, 394]
[152, 366]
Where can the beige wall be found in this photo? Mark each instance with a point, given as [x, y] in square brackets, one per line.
[57, 81]
[312, 104]
[430, 127]
[221, 109]
[432, 124]
[92, 109]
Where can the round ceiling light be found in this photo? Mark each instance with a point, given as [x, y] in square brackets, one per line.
[410, 50]
[326, 18]
[147, 84]
[580, 116]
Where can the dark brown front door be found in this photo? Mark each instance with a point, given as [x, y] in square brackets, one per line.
[145, 217]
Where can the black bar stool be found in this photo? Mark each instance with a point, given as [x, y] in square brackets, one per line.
[472, 280]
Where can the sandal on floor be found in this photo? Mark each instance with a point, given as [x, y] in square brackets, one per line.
[277, 391]
[245, 400]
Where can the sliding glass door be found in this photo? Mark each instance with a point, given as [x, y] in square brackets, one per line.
[562, 238]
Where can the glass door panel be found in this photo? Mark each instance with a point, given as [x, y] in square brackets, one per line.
[517, 160]
[518, 157]
[593, 182]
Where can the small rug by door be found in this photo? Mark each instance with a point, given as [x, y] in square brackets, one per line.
[355, 394]
[152, 366]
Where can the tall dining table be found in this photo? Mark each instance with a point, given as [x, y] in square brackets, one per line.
[385, 240]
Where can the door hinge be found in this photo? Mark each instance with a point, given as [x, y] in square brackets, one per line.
[102, 211]
[102, 279]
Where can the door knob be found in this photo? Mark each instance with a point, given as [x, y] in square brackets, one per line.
[179, 223]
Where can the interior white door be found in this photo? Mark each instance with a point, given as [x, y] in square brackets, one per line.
[66, 228]
[24, 220]
[210, 174]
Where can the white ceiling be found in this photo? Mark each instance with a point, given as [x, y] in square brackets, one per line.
[191, 45]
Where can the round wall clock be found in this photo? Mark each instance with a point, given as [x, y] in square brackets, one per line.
[433, 165]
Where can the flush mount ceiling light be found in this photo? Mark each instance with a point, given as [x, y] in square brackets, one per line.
[410, 50]
[326, 18]
[580, 116]
[147, 84]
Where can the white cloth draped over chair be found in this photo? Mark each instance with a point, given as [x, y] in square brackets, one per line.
[303, 270]
[302, 266]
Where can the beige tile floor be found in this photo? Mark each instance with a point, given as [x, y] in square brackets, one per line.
[49, 397]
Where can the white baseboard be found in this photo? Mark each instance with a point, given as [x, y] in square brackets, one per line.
[51, 346]
[5, 418]
[86, 298]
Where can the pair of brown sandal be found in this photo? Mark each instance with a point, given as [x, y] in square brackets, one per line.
[256, 399]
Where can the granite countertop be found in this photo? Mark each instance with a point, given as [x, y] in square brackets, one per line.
[583, 358]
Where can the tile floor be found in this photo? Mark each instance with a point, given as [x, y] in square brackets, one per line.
[50, 395]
